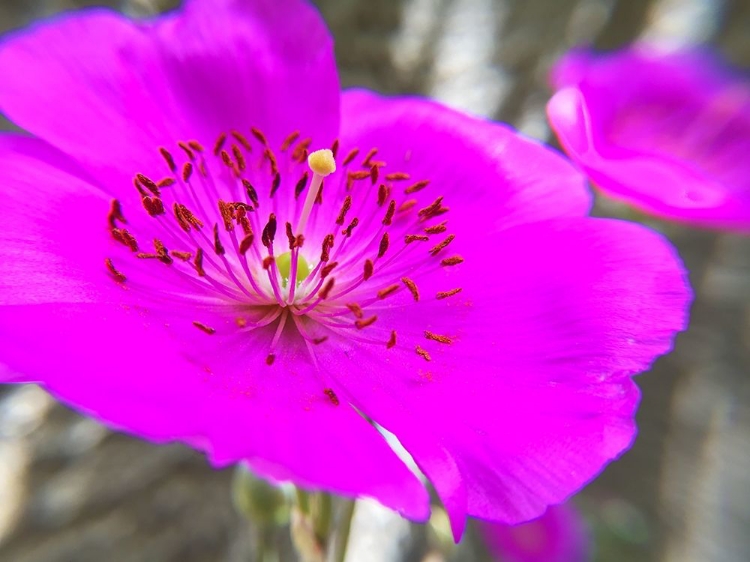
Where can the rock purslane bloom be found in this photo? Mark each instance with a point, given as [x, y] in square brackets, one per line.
[205, 240]
[560, 535]
[666, 133]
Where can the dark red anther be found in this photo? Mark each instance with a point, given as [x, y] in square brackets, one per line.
[356, 309]
[198, 262]
[179, 211]
[290, 235]
[182, 256]
[115, 214]
[358, 175]
[348, 230]
[148, 183]
[169, 159]
[412, 286]
[392, 341]
[299, 241]
[335, 148]
[269, 231]
[368, 157]
[267, 262]
[226, 159]
[397, 176]
[124, 237]
[219, 144]
[239, 158]
[242, 139]
[153, 205]
[369, 270]
[166, 182]
[187, 171]
[195, 145]
[383, 193]
[434, 209]
[453, 260]
[438, 247]
[270, 358]
[246, 243]
[423, 353]
[327, 269]
[244, 222]
[332, 396]
[344, 209]
[374, 174]
[419, 186]
[162, 252]
[275, 184]
[409, 238]
[327, 246]
[351, 156]
[203, 328]
[251, 193]
[119, 277]
[269, 155]
[364, 323]
[226, 210]
[259, 136]
[301, 184]
[388, 219]
[436, 229]
[388, 291]
[406, 205]
[218, 246]
[319, 196]
[324, 292]
[300, 152]
[385, 242]
[445, 294]
[187, 150]
[289, 141]
[438, 338]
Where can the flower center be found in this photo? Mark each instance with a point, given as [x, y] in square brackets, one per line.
[361, 234]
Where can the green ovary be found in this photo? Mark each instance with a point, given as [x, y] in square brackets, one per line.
[284, 263]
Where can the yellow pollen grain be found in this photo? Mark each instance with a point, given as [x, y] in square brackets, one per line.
[322, 162]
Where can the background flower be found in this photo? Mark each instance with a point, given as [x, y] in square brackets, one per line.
[665, 133]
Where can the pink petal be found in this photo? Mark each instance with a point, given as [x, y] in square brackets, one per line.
[668, 138]
[489, 175]
[533, 396]
[110, 92]
[54, 239]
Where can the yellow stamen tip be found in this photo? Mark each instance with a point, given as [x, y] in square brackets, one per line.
[321, 162]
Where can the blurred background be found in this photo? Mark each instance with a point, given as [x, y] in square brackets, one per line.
[70, 490]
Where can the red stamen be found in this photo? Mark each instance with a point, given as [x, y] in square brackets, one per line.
[362, 324]
[203, 328]
[412, 286]
[119, 277]
[332, 396]
[385, 242]
[438, 338]
[289, 141]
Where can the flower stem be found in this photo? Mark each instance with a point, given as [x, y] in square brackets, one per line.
[344, 528]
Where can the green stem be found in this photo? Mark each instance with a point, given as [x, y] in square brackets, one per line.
[342, 533]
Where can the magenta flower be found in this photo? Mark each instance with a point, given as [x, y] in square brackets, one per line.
[171, 265]
[668, 134]
[560, 535]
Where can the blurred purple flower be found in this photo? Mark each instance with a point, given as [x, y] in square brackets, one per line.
[560, 535]
[666, 133]
[450, 286]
